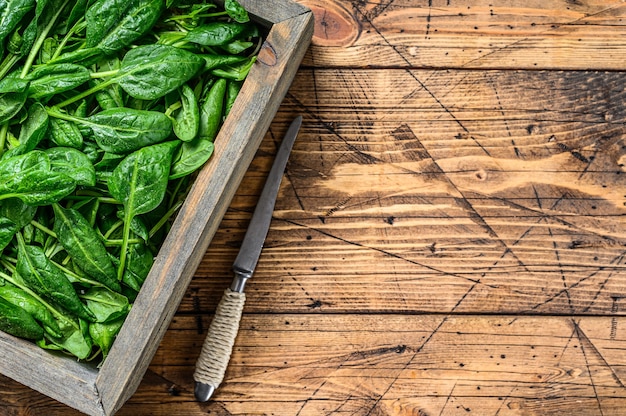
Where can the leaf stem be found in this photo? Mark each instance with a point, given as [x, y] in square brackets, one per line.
[104, 74]
[7, 64]
[40, 40]
[43, 228]
[115, 243]
[165, 218]
[124, 249]
[87, 93]
[4, 130]
[79, 25]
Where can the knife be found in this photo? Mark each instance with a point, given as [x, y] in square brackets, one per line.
[218, 344]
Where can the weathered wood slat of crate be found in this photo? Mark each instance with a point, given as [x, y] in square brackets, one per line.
[556, 34]
[103, 391]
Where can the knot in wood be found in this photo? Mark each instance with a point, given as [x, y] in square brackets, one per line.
[267, 54]
[334, 25]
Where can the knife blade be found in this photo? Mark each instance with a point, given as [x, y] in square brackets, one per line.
[218, 344]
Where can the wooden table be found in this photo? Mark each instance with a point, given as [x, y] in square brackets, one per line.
[450, 234]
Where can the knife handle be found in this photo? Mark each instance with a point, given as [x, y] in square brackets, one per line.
[218, 344]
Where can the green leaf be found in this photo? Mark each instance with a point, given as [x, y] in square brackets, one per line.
[187, 121]
[16, 321]
[115, 24]
[151, 71]
[30, 178]
[17, 211]
[48, 80]
[215, 33]
[236, 11]
[104, 334]
[105, 304]
[140, 180]
[48, 281]
[7, 230]
[140, 261]
[190, 157]
[83, 244]
[212, 61]
[31, 305]
[32, 130]
[74, 163]
[13, 94]
[211, 110]
[123, 130]
[11, 13]
[74, 338]
[65, 133]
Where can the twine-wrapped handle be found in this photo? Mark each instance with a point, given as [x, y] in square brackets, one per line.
[218, 344]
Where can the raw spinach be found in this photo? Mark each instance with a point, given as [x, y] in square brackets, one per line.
[140, 182]
[107, 108]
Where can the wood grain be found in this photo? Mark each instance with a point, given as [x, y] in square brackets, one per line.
[460, 191]
[390, 364]
[450, 233]
[555, 34]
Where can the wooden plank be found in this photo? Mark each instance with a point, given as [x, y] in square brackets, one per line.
[514, 34]
[69, 377]
[459, 191]
[307, 364]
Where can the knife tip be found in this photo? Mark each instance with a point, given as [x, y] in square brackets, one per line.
[203, 392]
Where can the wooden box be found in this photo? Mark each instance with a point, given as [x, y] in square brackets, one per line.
[102, 391]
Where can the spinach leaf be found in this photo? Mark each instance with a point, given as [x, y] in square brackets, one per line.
[211, 109]
[11, 12]
[187, 120]
[232, 91]
[215, 33]
[16, 321]
[140, 261]
[83, 244]
[106, 304]
[73, 163]
[32, 130]
[103, 334]
[212, 61]
[13, 94]
[65, 133]
[49, 80]
[17, 211]
[46, 13]
[74, 338]
[30, 178]
[47, 280]
[151, 71]
[7, 230]
[30, 304]
[190, 157]
[123, 130]
[236, 11]
[139, 182]
[114, 24]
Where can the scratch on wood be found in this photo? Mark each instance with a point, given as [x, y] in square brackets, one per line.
[585, 340]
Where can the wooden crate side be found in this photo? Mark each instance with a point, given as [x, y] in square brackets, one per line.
[199, 218]
[56, 376]
[274, 11]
